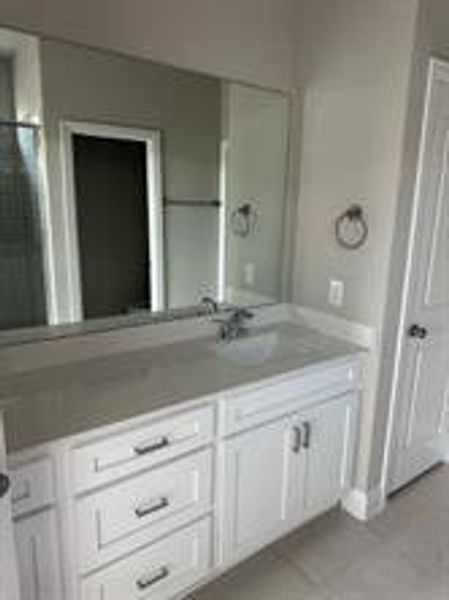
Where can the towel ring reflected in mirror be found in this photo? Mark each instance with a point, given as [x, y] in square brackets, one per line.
[244, 219]
[351, 228]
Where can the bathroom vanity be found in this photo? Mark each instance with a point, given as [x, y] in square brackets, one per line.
[148, 475]
[145, 457]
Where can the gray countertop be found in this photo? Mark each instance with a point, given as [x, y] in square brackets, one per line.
[57, 402]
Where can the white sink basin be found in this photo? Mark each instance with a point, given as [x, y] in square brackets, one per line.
[260, 348]
[251, 350]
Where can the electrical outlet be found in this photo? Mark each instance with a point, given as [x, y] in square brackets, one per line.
[336, 292]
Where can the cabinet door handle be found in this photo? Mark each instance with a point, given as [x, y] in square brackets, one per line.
[152, 446]
[145, 582]
[297, 439]
[307, 435]
[418, 332]
[148, 509]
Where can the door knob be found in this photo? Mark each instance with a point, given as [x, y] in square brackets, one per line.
[5, 483]
[418, 332]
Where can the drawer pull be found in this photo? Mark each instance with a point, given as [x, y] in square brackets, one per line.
[297, 439]
[307, 435]
[153, 446]
[145, 582]
[143, 511]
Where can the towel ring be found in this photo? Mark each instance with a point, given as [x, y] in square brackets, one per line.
[244, 219]
[351, 228]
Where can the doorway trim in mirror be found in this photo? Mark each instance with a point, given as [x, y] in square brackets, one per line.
[152, 140]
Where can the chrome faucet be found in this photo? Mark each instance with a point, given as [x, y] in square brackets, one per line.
[234, 325]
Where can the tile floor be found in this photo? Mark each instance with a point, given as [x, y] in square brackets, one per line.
[401, 555]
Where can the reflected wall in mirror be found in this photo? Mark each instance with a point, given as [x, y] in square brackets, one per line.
[128, 186]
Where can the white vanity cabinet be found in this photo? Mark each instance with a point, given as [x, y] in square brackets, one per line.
[140, 499]
[162, 571]
[283, 473]
[39, 557]
[155, 506]
[129, 514]
[36, 530]
[328, 438]
[259, 487]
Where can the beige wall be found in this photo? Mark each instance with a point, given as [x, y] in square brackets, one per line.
[354, 56]
[353, 119]
[240, 39]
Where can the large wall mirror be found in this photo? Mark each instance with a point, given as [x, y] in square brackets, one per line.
[129, 188]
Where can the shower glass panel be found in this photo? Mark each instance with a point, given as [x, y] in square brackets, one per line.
[22, 288]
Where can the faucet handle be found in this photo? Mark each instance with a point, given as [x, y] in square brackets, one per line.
[210, 305]
[233, 325]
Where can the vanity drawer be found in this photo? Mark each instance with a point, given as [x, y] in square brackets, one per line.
[132, 513]
[159, 572]
[254, 407]
[32, 485]
[105, 460]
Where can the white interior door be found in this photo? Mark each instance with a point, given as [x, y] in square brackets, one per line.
[419, 433]
[8, 567]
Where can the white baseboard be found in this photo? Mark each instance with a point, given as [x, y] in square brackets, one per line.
[364, 506]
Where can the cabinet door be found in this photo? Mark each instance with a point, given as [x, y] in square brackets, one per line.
[38, 557]
[328, 440]
[8, 579]
[258, 468]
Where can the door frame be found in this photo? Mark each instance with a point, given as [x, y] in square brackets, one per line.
[152, 140]
[437, 70]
